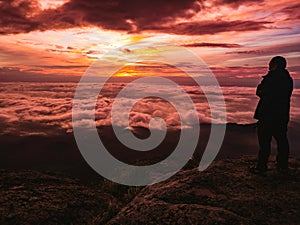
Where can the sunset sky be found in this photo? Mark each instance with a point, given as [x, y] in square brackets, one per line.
[63, 37]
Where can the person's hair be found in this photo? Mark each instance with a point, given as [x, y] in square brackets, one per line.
[279, 61]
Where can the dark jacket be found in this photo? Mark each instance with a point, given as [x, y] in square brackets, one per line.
[275, 91]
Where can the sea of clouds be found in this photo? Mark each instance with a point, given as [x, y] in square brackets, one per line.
[51, 104]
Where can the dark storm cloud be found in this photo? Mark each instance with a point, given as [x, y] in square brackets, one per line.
[212, 45]
[16, 16]
[210, 27]
[25, 16]
[123, 14]
[131, 16]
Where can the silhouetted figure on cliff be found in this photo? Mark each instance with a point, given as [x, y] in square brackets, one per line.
[273, 112]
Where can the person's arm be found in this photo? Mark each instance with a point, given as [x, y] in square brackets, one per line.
[269, 88]
[276, 90]
[259, 90]
[291, 87]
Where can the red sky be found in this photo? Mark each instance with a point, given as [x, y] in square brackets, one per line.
[234, 38]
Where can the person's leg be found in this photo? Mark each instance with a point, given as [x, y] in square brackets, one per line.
[280, 135]
[264, 134]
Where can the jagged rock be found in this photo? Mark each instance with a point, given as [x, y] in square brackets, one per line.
[223, 194]
[32, 197]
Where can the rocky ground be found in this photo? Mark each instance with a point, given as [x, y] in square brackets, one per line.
[32, 197]
[223, 194]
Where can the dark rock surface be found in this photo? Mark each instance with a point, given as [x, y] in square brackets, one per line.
[31, 197]
[225, 193]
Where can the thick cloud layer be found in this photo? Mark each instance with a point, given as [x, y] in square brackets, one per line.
[18, 16]
[51, 104]
[22, 16]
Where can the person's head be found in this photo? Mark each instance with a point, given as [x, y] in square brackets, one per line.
[277, 63]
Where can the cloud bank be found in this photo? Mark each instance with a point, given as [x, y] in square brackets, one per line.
[51, 104]
[133, 16]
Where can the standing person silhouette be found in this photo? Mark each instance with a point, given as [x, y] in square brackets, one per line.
[272, 113]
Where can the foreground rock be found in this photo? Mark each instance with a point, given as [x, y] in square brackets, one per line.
[224, 194]
[31, 197]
